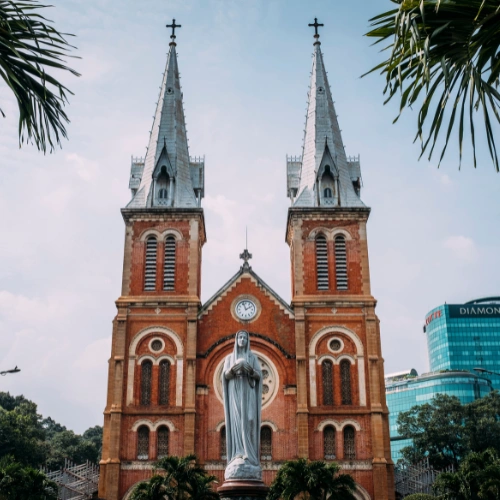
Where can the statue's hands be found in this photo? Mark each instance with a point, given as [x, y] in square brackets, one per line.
[248, 368]
[237, 366]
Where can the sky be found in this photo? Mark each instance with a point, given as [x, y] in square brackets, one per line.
[433, 233]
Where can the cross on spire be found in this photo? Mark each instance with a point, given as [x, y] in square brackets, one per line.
[173, 26]
[246, 256]
[316, 25]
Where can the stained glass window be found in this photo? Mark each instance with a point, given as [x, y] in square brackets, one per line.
[322, 262]
[341, 263]
[143, 443]
[335, 345]
[150, 267]
[223, 449]
[163, 435]
[146, 372]
[349, 443]
[266, 443]
[327, 369]
[345, 377]
[164, 382]
[156, 345]
[169, 264]
[329, 442]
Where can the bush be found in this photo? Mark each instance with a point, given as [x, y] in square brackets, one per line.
[420, 496]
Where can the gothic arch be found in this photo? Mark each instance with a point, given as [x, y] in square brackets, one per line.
[312, 361]
[156, 329]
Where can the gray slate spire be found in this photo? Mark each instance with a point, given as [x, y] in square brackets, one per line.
[324, 163]
[168, 177]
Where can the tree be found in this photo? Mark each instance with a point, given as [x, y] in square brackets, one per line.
[311, 481]
[448, 52]
[478, 478]
[420, 496]
[29, 46]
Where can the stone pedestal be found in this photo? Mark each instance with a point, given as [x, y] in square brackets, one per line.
[243, 489]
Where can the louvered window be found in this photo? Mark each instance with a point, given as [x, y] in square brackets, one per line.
[341, 263]
[329, 443]
[345, 377]
[349, 443]
[223, 445]
[150, 268]
[169, 265]
[164, 382]
[327, 375]
[321, 262]
[266, 443]
[143, 443]
[146, 372]
[162, 435]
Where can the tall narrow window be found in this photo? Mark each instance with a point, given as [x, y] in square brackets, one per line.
[150, 267]
[321, 262]
[169, 264]
[327, 375]
[164, 382]
[142, 443]
[266, 443]
[349, 443]
[162, 435]
[341, 263]
[345, 377]
[329, 442]
[327, 193]
[146, 372]
[223, 445]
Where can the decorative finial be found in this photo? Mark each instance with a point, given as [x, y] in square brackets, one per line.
[246, 256]
[173, 26]
[316, 25]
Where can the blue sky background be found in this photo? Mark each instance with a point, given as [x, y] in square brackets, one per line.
[433, 234]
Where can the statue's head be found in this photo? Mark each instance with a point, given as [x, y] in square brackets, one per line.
[242, 338]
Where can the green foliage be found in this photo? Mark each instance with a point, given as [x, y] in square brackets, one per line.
[446, 430]
[478, 478]
[445, 52]
[18, 482]
[419, 496]
[29, 46]
[314, 480]
[177, 478]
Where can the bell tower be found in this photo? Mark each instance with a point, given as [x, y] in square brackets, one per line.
[341, 408]
[150, 410]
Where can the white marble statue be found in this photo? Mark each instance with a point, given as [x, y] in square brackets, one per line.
[242, 389]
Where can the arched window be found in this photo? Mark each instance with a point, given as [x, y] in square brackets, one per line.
[349, 443]
[146, 372]
[222, 444]
[266, 443]
[143, 443]
[321, 262]
[345, 378]
[162, 435]
[163, 187]
[164, 382]
[150, 267]
[327, 373]
[169, 264]
[327, 193]
[163, 194]
[341, 263]
[329, 442]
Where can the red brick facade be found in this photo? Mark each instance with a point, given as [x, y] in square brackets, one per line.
[292, 341]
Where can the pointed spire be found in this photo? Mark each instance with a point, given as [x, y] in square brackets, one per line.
[167, 164]
[323, 142]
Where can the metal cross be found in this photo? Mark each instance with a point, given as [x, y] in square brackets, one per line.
[315, 25]
[246, 256]
[173, 26]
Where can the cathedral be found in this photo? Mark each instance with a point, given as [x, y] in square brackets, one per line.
[322, 368]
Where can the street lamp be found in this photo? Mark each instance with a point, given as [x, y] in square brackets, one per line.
[14, 370]
[484, 370]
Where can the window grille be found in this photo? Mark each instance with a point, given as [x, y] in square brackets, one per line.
[327, 369]
[329, 443]
[150, 268]
[142, 443]
[169, 264]
[345, 377]
[146, 372]
[327, 193]
[164, 381]
[349, 443]
[341, 263]
[223, 446]
[266, 443]
[322, 262]
[162, 435]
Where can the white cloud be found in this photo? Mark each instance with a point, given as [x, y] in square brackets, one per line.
[86, 169]
[461, 247]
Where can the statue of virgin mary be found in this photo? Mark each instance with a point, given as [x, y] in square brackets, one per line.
[242, 390]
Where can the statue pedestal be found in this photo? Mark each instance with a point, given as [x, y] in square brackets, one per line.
[243, 489]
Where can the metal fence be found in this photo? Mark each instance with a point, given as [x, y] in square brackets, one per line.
[75, 482]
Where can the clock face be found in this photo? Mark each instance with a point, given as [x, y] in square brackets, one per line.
[245, 309]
